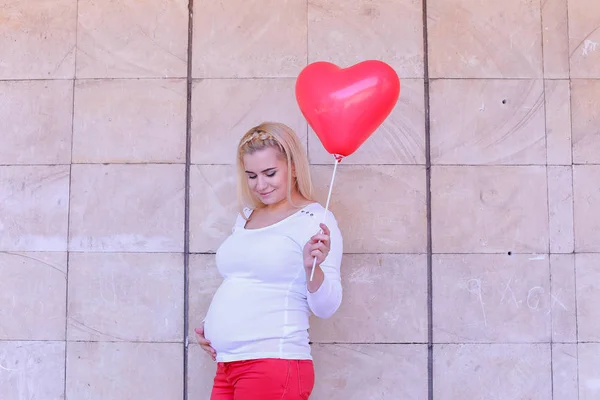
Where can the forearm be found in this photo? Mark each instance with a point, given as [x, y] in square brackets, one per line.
[324, 292]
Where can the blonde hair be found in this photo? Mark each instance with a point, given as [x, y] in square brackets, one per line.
[282, 138]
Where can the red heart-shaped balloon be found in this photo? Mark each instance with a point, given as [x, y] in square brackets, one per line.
[344, 106]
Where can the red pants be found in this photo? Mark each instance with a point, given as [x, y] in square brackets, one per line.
[264, 379]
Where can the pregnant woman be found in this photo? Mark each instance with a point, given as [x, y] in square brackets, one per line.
[256, 328]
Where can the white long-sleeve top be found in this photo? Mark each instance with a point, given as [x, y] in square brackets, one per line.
[262, 308]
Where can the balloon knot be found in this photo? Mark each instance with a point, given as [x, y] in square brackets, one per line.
[338, 157]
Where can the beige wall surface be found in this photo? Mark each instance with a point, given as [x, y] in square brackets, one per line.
[486, 289]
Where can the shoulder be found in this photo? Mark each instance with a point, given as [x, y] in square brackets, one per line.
[312, 215]
[317, 213]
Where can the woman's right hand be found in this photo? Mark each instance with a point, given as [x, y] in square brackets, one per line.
[204, 343]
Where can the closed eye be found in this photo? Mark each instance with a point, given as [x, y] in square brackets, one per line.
[270, 172]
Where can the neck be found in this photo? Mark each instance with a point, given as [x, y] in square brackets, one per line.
[284, 204]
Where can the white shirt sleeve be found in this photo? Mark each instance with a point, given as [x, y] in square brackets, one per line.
[328, 298]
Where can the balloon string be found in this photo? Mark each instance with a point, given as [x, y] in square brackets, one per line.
[337, 161]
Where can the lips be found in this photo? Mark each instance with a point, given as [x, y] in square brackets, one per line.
[266, 194]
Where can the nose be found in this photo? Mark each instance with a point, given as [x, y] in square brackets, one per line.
[261, 183]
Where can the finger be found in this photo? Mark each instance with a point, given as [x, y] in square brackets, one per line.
[321, 238]
[325, 229]
[319, 242]
[317, 254]
[211, 352]
[324, 247]
[199, 333]
[324, 244]
[201, 339]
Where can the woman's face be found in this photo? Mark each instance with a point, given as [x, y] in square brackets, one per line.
[267, 171]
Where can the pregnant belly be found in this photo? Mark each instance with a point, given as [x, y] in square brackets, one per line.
[234, 317]
[245, 316]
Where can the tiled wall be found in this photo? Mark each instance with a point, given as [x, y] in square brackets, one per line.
[506, 109]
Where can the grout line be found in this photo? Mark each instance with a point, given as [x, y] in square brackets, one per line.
[376, 343]
[244, 78]
[38, 79]
[550, 262]
[241, 78]
[307, 58]
[132, 341]
[94, 163]
[499, 343]
[573, 170]
[573, 195]
[577, 342]
[350, 165]
[568, 47]
[284, 77]
[548, 194]
[549, 245]
[512, 253]
[426, 83]
[69, 203]
[307, 28]
[186, 243]
[83, 79]
[318, 164]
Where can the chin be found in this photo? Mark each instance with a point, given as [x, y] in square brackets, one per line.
[270, 200]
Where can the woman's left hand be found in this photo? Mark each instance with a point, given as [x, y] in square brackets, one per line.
[318, 246]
